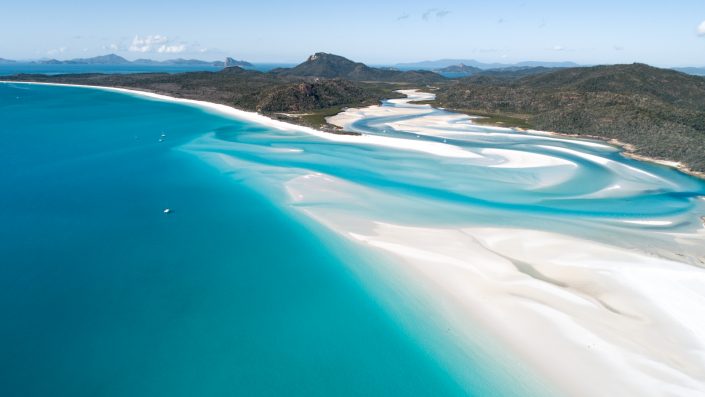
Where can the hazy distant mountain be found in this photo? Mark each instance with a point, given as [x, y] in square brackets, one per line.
[112, 59]
[510, 72]
[515, 72]
[443, 63]
[49, 62]
[458, 70]
[539, 64]
[182, 61]
[334, 66]
[230, 62]
[693, 71]
[179, 61]
[3, 60]
[143, 61]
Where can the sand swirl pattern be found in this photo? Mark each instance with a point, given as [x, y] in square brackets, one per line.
[550, 266]
[557, 247]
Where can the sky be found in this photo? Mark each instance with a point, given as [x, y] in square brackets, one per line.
[661, 33]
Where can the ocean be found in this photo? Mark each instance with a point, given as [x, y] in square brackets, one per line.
[102, 293]
[429, 257]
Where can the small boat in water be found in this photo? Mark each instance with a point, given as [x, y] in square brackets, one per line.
[167, 211]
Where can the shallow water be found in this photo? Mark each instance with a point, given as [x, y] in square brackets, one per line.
[238, 291]
[553, 233]
[519, 179]
[230, 294]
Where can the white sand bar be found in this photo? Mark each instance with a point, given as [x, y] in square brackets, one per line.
[595, 320]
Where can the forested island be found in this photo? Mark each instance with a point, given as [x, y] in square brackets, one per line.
[659, 113]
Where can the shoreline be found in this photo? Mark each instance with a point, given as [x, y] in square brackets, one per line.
[217, 107]
[628, 150]
[434, 148]
[585, 291]
[605, 307]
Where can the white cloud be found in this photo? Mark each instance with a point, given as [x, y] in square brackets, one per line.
[56, 51]
[149, 43]
[171, 49]
[113, 47]
[701, 29]
[154, 44]
[558, 48]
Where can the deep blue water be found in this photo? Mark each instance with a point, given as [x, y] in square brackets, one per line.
[101, 293]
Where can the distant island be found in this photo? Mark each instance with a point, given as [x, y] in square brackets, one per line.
[113, 59]
[659, 113]
[693, 71]
[460, 69]
[444, 63]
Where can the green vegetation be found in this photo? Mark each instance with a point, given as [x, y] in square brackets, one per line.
[267, 93]
[317, 119]
[311, 101]
[324, 65]
[500, 120]
[494, 119]
[459, 70]
[661, 112]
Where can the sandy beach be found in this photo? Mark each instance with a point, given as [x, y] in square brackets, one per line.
[592, 319]
[438, 149]
[595, 319]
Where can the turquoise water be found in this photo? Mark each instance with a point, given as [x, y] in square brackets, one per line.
[103, 294]
[236, 292]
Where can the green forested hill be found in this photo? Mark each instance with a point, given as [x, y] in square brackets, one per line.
[245, 89]
[660, 111]
[334, 66]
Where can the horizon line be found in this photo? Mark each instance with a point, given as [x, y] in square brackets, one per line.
[395, 63]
